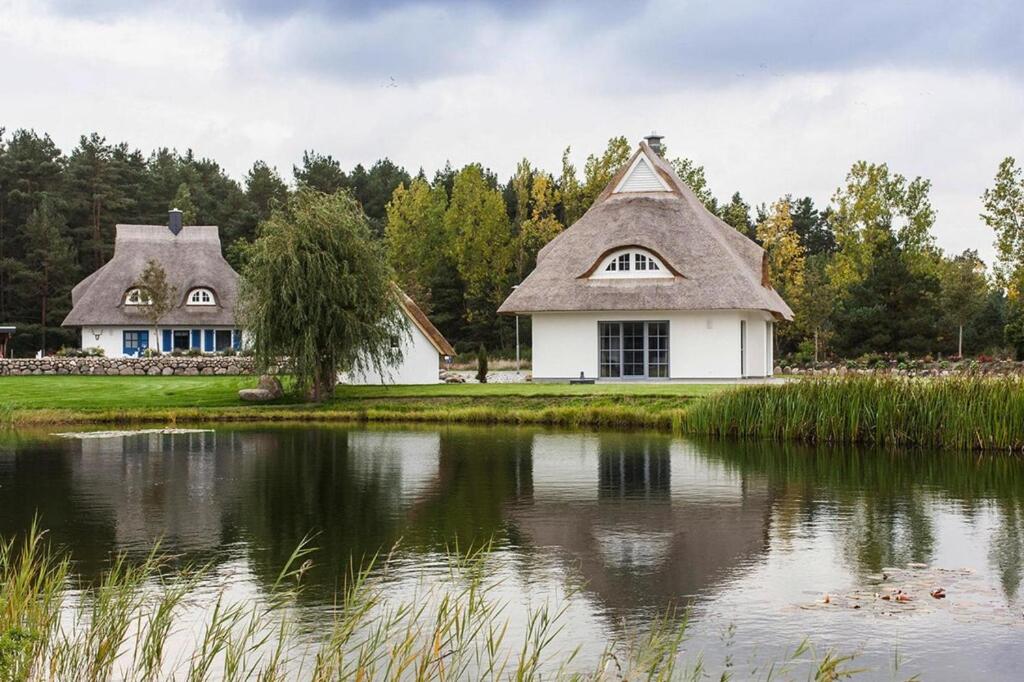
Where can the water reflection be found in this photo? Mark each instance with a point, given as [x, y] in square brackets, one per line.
[640, 519]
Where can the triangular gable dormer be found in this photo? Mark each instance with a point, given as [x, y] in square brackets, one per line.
[642, 177]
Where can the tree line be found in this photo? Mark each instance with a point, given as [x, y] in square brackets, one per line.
[862, 273]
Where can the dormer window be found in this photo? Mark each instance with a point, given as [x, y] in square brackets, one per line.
[137, 296]
[201, 297]
[633, 262]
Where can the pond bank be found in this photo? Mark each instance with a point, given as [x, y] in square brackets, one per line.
[957, 413]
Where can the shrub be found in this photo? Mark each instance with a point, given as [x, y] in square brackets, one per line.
[151, 353]
[481, 364]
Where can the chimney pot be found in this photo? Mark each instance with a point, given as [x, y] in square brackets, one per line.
[654, 142]
[174, 221]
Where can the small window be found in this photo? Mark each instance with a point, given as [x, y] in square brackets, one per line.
[201, 297]
[137, 296]
[630, 263]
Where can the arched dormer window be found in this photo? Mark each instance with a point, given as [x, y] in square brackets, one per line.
[137, 296]
[630, 262]
[201, 296]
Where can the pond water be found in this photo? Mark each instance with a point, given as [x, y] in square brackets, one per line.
[618, 526]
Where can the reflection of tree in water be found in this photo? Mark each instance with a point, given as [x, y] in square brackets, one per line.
[36, 479]
[883, 496]
[1006, 551]
[357, 491]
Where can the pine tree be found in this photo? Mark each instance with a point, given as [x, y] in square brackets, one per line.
[183, 202]
[319, 172]
[51, 270]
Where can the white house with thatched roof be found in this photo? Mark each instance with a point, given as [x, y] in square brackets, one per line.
[650, 285]
[110, 308]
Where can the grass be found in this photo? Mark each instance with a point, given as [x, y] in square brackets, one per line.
[103, 399]
[138, 622]
[955, 413]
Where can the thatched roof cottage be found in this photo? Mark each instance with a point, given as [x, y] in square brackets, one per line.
[110, 307]
[649, 284]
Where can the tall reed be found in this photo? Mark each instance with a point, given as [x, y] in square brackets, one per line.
[139, 622]
[956, 413]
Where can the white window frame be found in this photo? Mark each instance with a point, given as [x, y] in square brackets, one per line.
[611, 266]
[198, 294]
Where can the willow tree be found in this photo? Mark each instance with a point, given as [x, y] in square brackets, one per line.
[317, 292]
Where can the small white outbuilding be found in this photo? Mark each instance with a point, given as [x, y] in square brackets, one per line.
[423, 350]
[650, 285]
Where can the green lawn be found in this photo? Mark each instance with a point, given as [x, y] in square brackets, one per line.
[107, 393]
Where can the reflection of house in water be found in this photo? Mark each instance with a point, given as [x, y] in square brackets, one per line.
[173, 486]
[404, 462]
[646, 519]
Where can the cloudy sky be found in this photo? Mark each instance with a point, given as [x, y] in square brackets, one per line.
[771, 98]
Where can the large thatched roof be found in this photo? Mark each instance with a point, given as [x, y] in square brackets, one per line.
[714, 267]
[192, 259]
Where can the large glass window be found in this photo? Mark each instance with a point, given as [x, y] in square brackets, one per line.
[633, 350]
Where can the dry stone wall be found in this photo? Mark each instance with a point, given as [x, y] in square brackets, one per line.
[165, 365]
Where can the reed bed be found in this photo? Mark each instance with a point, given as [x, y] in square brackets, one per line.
[138, 622]
[971, 413]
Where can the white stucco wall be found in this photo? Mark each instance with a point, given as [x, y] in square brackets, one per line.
[111, 339]
[420, 364]
[702, 344]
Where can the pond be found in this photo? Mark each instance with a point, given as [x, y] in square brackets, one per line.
[767, 545]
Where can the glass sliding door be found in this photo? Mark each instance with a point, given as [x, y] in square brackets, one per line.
[657, 350]
[609, 349]
[632, 350]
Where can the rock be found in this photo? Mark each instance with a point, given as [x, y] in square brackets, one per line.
[272, 385]
[191, 372]
[167, 371]
[255, 395]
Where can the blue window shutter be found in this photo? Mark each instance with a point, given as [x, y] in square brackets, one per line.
[143, 340]
[168, 342]
[196, 340]
[236, 339]
[208, 340]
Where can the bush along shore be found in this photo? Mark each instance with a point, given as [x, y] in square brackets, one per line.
[955, 413]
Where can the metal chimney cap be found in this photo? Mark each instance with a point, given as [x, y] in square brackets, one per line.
[654, 141]
[174, 221]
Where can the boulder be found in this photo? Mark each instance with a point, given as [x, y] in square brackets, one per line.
[271, 385]
[255, 395]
